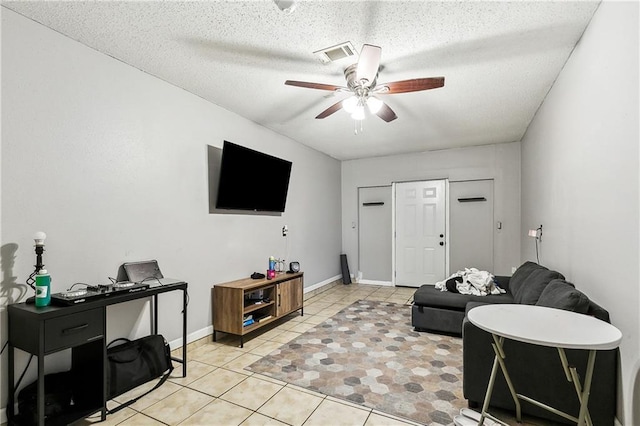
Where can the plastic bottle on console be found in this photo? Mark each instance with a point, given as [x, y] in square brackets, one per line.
[271, 273]
[43, 288]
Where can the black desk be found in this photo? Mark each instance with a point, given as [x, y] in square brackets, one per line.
[81, 328]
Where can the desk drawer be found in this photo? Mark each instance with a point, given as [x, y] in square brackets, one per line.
[72, 330]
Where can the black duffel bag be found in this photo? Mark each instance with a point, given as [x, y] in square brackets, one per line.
[136, 362]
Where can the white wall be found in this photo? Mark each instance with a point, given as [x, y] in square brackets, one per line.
[500, 162]
[112, 164]
[580, 165]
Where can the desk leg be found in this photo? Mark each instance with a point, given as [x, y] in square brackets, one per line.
[184, 333]
[40, 405]
[154, 329]
[12, 384]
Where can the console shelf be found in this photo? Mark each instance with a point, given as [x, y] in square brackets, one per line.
[251, 308]
[242, 306]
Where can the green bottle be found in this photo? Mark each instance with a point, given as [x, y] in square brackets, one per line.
[43, 288]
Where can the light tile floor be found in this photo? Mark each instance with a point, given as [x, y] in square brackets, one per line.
[218, 391]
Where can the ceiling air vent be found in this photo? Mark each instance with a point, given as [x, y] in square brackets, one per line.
[335, 53]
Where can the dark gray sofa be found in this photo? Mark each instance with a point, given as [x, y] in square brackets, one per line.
[535, 371]
[443, 311]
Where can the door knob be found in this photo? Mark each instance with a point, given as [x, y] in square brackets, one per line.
[441, 243]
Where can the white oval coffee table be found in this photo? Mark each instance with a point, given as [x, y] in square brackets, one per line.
[545, 327]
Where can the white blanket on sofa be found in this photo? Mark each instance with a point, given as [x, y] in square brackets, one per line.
[474, 281]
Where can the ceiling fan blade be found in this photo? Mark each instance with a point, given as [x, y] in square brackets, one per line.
[414, 85]
[333, 108]
[386, 113]
[318, 86]
[368, 63]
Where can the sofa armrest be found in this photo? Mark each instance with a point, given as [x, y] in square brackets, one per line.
[598, 311]
[477, 359]
[471, 305]
[502, 281]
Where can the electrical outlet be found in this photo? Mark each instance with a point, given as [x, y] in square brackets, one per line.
[285, 230]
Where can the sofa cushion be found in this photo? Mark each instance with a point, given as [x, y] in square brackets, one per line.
[428, 295]
[534, 285]
[562, 294]
[521, 274]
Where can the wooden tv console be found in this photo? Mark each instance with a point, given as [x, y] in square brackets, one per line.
[243, 306]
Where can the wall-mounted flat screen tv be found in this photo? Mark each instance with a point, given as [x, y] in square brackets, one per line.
[252, 180]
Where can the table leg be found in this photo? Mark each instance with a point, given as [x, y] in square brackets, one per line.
[500, 356]
[572, 376]
[487, 395]
[584, 398]
[499, 361]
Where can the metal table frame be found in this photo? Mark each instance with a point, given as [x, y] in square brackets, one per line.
[549, 327]
[582, 391]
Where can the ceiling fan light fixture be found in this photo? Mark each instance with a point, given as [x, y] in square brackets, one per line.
[358, 113]
[350, 104]
[374, 104]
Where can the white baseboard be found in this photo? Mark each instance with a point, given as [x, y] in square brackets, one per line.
[322, 283]
[192, 337]
[374, 282]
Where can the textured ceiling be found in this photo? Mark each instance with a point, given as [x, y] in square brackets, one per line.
[499, 60]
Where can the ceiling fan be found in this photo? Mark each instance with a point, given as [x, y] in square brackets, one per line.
[362, 83]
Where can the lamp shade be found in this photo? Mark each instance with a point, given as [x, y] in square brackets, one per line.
[39, 238]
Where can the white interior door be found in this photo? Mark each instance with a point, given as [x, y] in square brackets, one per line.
[375, 235]
[420, 250]
[472, 225]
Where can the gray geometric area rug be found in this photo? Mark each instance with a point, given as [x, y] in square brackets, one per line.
[369, 354]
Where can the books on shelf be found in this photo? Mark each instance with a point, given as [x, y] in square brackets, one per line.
[251, 319]
[262, 317]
